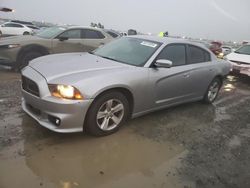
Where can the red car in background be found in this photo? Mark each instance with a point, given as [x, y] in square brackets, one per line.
[215, 47]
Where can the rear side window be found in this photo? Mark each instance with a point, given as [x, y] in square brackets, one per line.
[92, 34]
[175, 53]
[197, 55]
[72, 34]
[13, 25]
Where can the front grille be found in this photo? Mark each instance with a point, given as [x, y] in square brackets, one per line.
[30, 86]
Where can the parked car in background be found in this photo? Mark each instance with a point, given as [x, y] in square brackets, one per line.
[11, 28]
[240, 60]
[132, 32]
[96, 92]
[34, 28]
[18, 51]
[246, 42]
[22, 22]
[226, 50]
[123, 34]
[215, 47]
[112, 33]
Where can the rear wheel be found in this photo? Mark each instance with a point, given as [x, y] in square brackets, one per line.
[213, 90]
[26, 33]
[107, 113]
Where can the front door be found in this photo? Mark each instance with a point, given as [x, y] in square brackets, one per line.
[69, 41]
[172, 85]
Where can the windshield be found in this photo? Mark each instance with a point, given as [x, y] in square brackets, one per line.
[50, 32]
[132, 51]
[244, 50]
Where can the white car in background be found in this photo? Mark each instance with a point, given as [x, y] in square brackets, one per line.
[227, 50]
[11, 28]
[240, 60]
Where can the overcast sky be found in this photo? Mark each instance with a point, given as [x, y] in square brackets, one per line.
[213, 19]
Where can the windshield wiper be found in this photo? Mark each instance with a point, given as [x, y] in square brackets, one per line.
[109, 58]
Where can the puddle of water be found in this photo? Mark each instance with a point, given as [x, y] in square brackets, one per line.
[124, 159]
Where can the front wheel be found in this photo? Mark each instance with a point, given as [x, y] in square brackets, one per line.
[212, 91]
[107, 113]
[24, 60]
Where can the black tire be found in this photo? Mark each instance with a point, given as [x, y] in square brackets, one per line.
[24, 60]
[26, 33]
[91, 123]
[207, 99]
[1, 34]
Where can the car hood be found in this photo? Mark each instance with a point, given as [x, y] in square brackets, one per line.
[239, 57]
[56, 66]
[18, 39]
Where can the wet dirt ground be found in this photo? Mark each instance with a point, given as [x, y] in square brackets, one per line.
[189, 146]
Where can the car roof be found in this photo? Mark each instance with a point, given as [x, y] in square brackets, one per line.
[10, 22]
[167, 40]
[80, 27]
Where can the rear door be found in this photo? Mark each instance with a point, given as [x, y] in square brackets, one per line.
[203, 69]
[92, 39]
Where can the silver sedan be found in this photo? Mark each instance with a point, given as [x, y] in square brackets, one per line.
[96, 92]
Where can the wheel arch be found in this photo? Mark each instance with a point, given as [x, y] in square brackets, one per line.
[32, 48]
[122, 89]
[125, 91]
[220, 77]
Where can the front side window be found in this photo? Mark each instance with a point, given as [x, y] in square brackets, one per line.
[50, 32]
[175, 53]
[72, 34]
[197, 55]
[92, 34]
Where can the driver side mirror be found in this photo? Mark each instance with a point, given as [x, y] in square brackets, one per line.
[164, 63]
[62, 38]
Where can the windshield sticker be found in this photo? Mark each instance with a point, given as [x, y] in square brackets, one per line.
[149, 44]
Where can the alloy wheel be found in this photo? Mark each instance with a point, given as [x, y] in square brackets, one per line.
[213, 91]
[110, 114]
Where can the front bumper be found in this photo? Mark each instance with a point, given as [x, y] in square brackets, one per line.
[46, 108]
[8, 56]
[6, 62]
[241, 68]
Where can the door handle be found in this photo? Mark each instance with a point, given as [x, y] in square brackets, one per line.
[186, 75]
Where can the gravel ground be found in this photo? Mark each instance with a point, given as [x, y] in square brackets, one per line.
[191, 145]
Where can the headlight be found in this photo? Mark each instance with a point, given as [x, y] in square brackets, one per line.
[9, 46]
[65, 91]
[220, 55]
